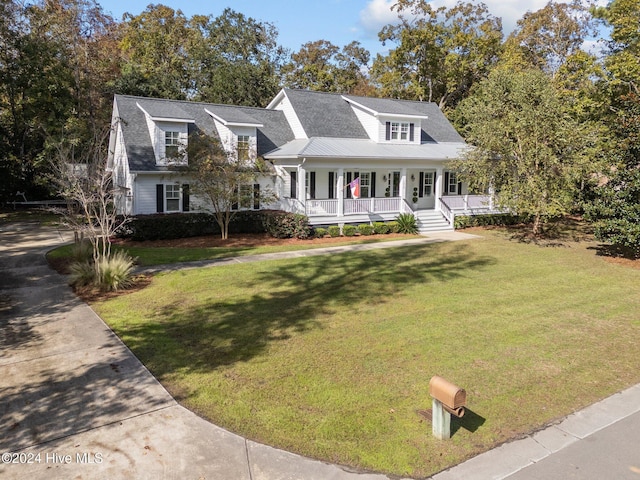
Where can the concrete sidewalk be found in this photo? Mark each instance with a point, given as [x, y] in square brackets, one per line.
[76, 403]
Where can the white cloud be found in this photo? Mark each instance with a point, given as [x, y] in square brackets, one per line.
[378, 13]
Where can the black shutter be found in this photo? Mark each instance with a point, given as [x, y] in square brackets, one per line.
[294, 184]
[234, 205]
[160, 198]
[421, 185]
[312, 184]
[348, 182]
[185, 197]
[388, 131]
[332, 186]
[411, 125]
[372, 188]
[446, 183]
[459, 188]
[256, 196]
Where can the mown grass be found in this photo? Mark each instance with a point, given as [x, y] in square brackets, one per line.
[331, 356]
[150, 256]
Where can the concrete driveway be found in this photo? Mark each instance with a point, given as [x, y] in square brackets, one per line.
[76, 403]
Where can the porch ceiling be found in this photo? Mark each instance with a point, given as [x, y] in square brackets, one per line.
[344, 148]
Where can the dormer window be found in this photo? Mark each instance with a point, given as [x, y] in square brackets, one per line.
[400, 131]
[243, 147]
[172, 145]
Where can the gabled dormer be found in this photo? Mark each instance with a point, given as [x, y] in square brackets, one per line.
[388, 121]
[237, 131]
[168, 127]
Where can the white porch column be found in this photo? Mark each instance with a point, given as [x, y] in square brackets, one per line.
[403, 183]
[438, 186]
[340, 192]
[302, 185]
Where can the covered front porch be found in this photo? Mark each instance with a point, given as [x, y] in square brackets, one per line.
[324, 195]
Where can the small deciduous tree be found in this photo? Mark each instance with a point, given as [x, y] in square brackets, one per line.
[82, 178]
[525, 145]
[225, 178]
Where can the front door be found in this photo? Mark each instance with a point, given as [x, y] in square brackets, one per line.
[393, 185]
[426, 189]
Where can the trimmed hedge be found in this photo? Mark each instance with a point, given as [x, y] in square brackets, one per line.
[365, 229]
[348, 230]
[320, 232]
[164, 226]
[334, 231]
[381, 228]
[492, 219]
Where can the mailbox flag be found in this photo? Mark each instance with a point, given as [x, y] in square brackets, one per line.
[355, 188]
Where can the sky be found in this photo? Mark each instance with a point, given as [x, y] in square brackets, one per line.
[338, 21]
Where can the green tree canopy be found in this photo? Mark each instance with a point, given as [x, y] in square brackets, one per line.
[525, 145]
[440, 53]
[323, 66]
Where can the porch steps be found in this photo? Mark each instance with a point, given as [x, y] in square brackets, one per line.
[430, 221]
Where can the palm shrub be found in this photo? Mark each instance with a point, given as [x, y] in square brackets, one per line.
[407, 223]
[81, 273]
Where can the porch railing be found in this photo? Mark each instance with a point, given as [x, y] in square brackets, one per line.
[468, 204]
[354, 206]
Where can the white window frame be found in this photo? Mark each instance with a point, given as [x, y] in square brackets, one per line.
[427, 186]
[172, 194]
[172, 141]
[400, 131]
[243, 144]
[452, 187]
[365, 184]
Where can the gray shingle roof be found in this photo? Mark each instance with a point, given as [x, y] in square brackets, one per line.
[436, 128]
[274, 133]
[325, 114]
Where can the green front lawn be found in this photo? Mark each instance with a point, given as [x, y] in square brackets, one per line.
[331, 356]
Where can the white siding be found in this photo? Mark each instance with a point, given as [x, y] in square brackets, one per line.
[285, 106]
[382, 128]
[229, 138]
[157, 131]
[370, 123]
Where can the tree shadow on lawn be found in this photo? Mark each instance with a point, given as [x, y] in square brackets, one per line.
[289, 299]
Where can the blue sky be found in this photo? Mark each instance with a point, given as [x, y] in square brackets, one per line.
[301, 21]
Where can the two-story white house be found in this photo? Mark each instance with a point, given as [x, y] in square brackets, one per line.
[318, 144]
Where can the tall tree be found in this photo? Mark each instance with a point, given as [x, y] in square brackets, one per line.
[615, 210]
[323, 66]
[525, 145]
[237, 59]
[155, 45]
[440, 52]
[52, 71]
[549, 37]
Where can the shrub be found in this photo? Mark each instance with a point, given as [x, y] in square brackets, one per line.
[393, 227]
[349, 230]
[334, 230]
[165, 226]
[381, 228]
[110, 273]
[114, 272]
[407, 223]
[499, 219]
[81, 273]
[365, 229]
[287, 225]
[320, 232]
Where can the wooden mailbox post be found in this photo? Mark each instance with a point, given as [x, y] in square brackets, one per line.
[448, 399]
